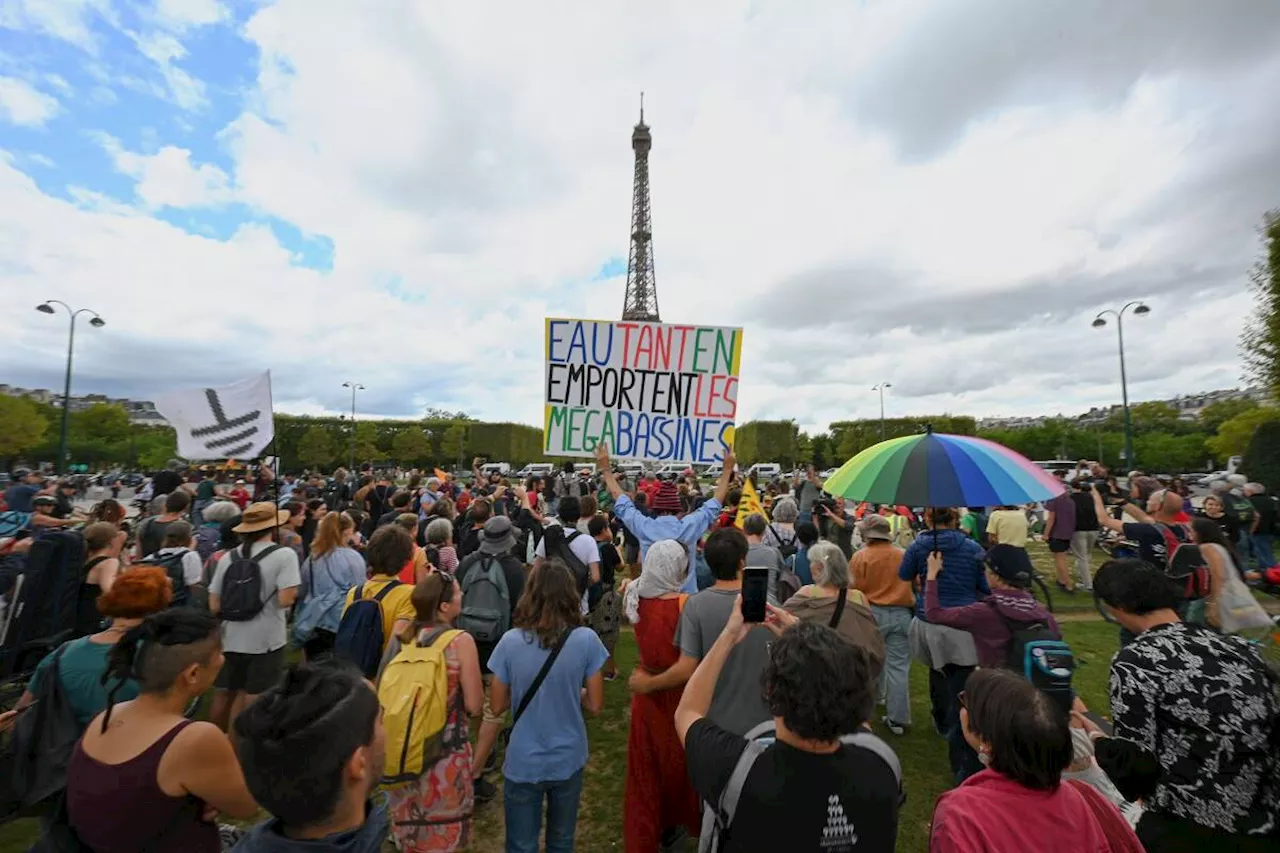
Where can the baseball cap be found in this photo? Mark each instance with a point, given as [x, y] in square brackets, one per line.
[1011, 564]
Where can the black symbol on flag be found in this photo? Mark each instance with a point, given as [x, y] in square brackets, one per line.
[223, 444]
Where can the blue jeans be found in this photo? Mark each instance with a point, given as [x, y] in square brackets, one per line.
[1264, 550]
[522, 808]
[894, 623]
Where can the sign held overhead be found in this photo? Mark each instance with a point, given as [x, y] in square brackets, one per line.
[658, 391]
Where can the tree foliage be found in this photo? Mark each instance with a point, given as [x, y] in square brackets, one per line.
[316, 447]
[22, 426]
[1216, 414]
[767, 441]
[1234, 435]
[1262, 458]
[1260, 340]
[411, 447]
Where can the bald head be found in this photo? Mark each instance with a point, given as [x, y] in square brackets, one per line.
[1165, 504]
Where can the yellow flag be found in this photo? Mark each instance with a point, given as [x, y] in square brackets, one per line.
[749, 503]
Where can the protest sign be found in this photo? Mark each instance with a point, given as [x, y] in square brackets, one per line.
[659, 391]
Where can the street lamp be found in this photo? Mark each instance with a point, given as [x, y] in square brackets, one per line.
[354, 386]
[97, 322]
[1139, 308]
[880, 388]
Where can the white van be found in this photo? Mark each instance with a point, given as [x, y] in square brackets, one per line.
[500, 468]
[764, 471]
[714, 470]
[536, 469]
[672, 469]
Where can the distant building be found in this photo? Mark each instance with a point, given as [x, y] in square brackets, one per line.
[140, 411]
[1189, 408]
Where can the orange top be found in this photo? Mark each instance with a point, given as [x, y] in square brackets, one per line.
[874, 570]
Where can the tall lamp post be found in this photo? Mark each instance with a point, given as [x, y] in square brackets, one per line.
[97, 322]
[354, 386]
[880, 388]
[1139, 308]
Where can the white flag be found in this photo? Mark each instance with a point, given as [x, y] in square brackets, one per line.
[231, 422]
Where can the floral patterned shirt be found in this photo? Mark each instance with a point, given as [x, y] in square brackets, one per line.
[1206, 707]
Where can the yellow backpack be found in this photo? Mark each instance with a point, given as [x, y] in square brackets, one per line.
[414, 692]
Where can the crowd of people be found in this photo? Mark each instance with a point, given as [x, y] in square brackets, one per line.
[413, 608]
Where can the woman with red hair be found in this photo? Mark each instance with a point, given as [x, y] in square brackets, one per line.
[136, 593]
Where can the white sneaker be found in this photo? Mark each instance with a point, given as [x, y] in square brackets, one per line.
[898, 729]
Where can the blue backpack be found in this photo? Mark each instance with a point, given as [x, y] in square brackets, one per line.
[321, 611]
[359, 638]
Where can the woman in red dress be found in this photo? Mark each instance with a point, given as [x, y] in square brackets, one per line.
[659, 797]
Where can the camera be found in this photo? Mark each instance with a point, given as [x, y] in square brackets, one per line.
[823, 503]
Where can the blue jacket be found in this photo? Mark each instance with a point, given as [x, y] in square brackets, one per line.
[962, 581]
[268, 837]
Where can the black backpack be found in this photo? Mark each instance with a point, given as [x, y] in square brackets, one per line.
[172, 565]
[557, 545]
[786, 547]
[33, 765]
[360, 635]
[241, 598]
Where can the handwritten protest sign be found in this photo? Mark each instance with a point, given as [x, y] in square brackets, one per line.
[659, 391]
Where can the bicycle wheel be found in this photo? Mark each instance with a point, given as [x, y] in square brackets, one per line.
[1041, 593]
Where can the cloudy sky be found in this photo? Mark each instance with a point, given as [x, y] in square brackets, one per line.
[937, 195]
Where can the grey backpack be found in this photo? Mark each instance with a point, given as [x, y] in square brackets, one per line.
[486, 601]
[717, 819]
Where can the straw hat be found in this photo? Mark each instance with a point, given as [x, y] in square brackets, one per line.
[260, 516]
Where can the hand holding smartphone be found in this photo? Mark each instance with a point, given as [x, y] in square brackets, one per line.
[755, 594]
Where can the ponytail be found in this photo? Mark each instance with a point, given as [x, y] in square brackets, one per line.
[121, 660]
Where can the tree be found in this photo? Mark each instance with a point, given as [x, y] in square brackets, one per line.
[366, 442]
[1234, 435]
[316, 448]
[411, 447]
[1262, 459]
[22, 426]
[453, 442]
[1216, 414]
[1260, 340]
[100, 423]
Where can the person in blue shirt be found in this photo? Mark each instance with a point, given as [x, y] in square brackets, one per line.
[948, 652]
[134, 595]
[664, 520]
[548, 746]
[807, 534]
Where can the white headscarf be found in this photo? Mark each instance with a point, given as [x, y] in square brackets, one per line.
[666, 564]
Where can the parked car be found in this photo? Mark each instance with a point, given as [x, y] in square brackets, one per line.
[765, 471]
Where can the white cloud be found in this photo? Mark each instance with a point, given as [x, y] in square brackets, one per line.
[473, 180]
[180, 15]
[23, 104]
[69, 20]
[168, 178]
[179, 86]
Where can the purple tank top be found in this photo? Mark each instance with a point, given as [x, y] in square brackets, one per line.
[119, 808]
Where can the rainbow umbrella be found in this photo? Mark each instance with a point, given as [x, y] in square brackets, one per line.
[942, 470]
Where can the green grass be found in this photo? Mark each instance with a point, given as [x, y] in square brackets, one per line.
[923, 754]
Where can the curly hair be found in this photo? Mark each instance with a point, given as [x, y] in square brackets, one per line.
[550, 604]
[109, 510]
[820, 684]
[138, 592]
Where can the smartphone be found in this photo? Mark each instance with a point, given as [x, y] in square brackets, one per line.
[755, 592]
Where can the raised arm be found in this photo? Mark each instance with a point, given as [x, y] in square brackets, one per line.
[1104, 517]
[606, 470]
[726, 477]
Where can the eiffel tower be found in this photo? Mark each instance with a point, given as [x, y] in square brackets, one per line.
[641, 302]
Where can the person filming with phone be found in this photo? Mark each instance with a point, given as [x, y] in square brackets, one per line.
[811, 778]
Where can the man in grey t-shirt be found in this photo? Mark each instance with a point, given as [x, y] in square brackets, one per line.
[254, 648]
[738, 704]
[760, 555]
